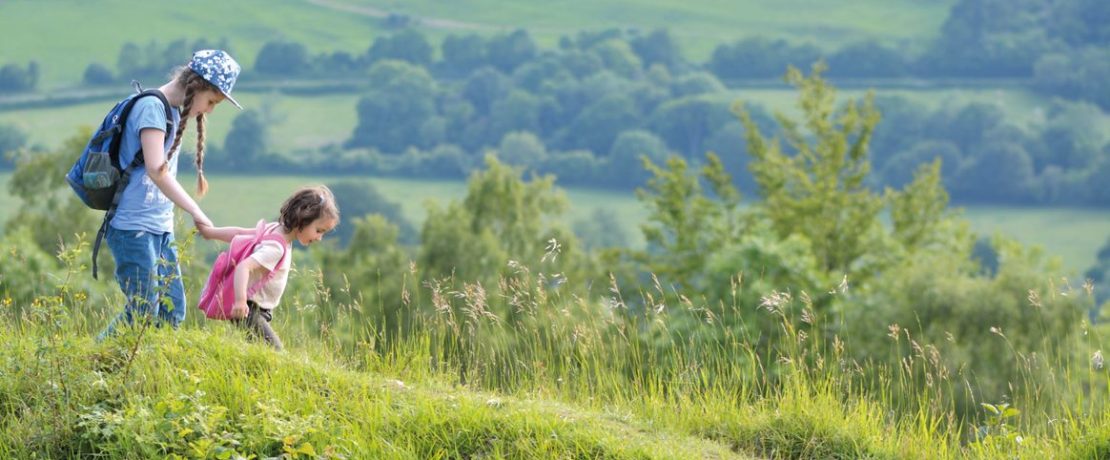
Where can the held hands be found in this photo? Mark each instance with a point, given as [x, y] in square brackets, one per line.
[203, 225]
[239, 310]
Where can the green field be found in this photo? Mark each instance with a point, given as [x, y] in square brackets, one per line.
[65, 36]
[1073, 234]
[301, 122]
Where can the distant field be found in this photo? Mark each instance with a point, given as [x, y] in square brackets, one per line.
[302, 121]
[64, 36]
[698, 25]
[1074, 235]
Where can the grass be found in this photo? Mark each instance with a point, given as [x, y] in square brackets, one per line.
[46, 31]
[201, 393]
[479, 386]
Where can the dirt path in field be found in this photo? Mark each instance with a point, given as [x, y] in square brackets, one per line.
[437, 23]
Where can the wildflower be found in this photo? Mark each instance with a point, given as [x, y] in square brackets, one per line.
[895, 330]
[997, 330]
[1096, 359]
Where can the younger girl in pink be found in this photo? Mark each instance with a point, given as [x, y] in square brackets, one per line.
[305, 217]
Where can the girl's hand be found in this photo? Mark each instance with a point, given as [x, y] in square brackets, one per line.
[240, 310]
[201, 220]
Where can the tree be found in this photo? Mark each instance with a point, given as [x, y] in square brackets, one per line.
[628, 154]
[688, 122]
[390, 116]
[247, 142]
[47, 206]
[1072, 137]
[595, 127]
[999, 173]
[695, 84]
[759, 58]
[658, 47]
[601, 230]
[867, 59]
[14, 79]
[684, 225]
[817, 190]
[12, 139]
[521, 149]
[506, 52]
[899, 170]
[361, 199]
[519, 111]
[463, 54]
[502, 218]
[283, 59]
[98, 74]
[485, 86]
[407, 45]
[618, 58]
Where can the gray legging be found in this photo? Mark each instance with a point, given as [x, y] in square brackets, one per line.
[257, 324]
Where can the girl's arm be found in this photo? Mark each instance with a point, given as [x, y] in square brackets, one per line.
[224, 234]
[154, 157]
[242, 277]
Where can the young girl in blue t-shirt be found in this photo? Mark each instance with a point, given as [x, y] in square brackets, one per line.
[140, 235]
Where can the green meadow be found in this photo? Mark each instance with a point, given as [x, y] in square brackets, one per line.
[1072, 234]
[65, 36]
[299, 122]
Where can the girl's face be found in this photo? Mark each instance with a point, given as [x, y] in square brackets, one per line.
[204, 102]
[315, 231]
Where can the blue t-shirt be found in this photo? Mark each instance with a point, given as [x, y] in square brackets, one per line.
[143, 206]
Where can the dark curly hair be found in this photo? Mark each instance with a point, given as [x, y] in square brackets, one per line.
[306, 205]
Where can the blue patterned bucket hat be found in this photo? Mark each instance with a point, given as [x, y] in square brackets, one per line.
[219, 68]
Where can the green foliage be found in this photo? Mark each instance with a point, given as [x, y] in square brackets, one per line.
[47, 205]
[684, 225]
[12, 139]
[816, 186]
[407, 45]
[628, 152]
[248, 142]
[502, 218]
[401, 99]
[361, 199]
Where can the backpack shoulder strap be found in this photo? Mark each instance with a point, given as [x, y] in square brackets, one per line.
[113, 155]
[113, 148]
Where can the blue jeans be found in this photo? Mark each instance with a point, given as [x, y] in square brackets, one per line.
[150, 277]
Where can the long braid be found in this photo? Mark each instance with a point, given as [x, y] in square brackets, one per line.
[182, 124]
[202, 183]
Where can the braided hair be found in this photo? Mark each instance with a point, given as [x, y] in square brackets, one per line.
[194, 84]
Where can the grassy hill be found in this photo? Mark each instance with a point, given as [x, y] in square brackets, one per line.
[206, 394]
[66, 36]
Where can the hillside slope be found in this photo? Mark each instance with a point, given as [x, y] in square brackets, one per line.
[203, 394]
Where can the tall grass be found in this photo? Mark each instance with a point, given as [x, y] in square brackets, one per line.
[533, 367]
